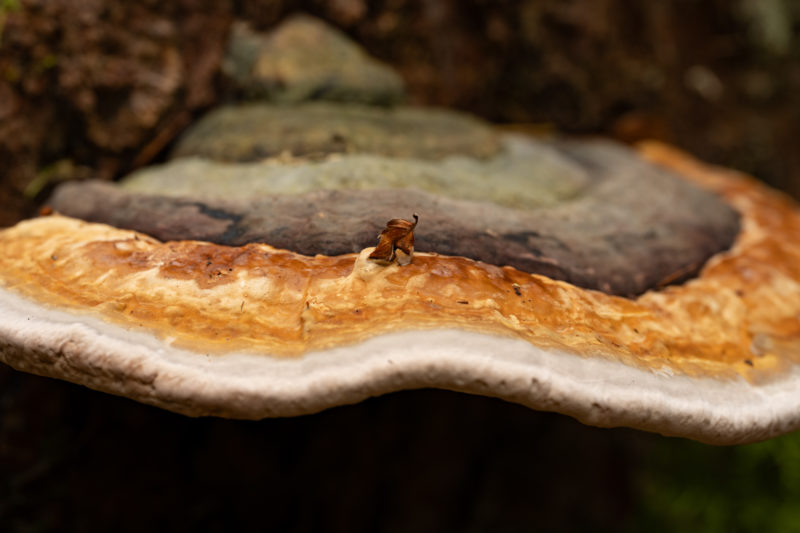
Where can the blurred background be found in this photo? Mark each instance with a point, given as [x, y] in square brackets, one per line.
[96, 88]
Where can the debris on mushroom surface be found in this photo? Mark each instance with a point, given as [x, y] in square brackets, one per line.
[396, 242]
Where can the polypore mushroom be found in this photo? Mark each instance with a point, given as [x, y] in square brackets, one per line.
[254, 331]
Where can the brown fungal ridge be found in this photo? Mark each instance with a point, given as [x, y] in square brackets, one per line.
[622, 239]
[210, 265]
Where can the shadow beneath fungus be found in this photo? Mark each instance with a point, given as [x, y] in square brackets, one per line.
[76, 460]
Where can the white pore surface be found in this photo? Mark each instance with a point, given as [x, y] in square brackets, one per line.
[597, 391]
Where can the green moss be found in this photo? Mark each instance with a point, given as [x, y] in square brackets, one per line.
[770, 24]
[6, 7]
[46, 63]
[687, 486]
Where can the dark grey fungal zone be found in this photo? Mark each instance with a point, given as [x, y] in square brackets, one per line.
[634, 227]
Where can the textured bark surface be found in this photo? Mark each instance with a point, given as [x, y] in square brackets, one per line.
[634, 228]
[96, 88]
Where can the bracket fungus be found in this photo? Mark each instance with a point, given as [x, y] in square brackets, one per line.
[253, 330]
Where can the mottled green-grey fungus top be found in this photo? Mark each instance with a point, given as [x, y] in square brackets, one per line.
[255, 131]
[524, 174]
